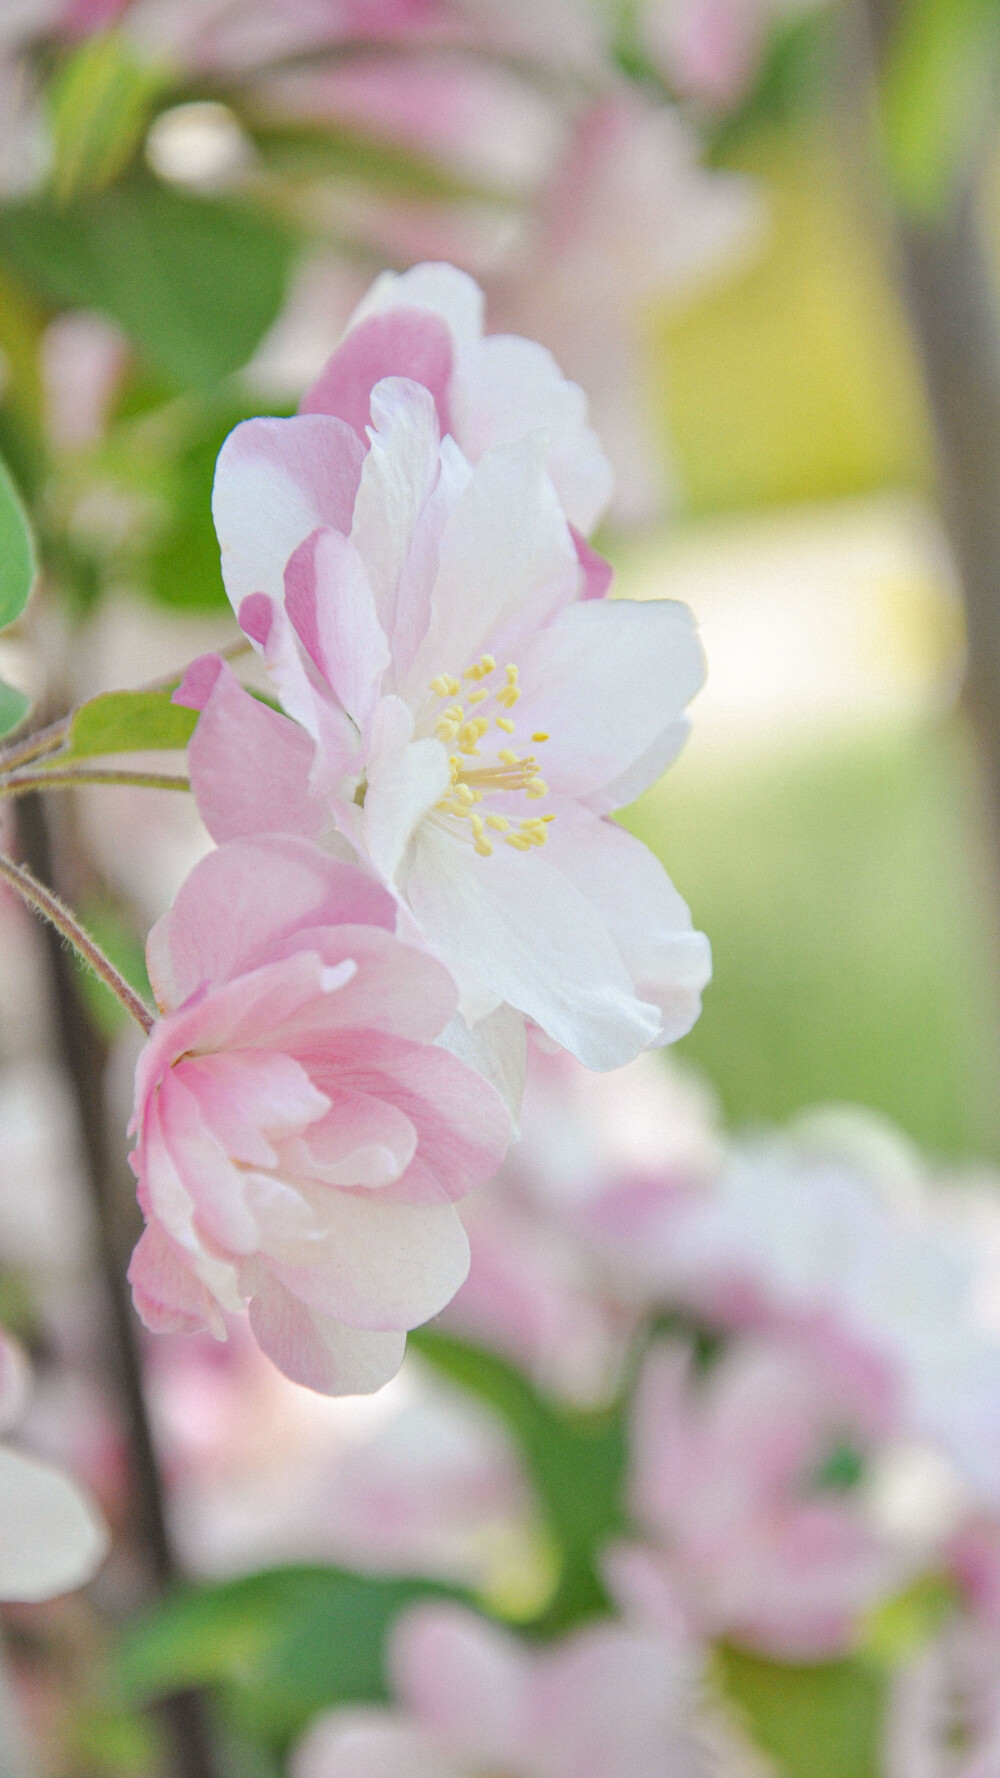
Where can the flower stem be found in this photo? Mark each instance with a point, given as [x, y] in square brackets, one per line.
[44, 902]
[63, 777]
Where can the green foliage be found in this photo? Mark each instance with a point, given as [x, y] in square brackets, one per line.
[576, 1462]
[938, 92]
[127, 722]
[99, 105]
[17, 574]
[814, 1722]
[195, 282]
[104, 921]
[897, 1630]
[282, 1645]
[839, 886]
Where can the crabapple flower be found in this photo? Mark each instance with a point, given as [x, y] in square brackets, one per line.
[605, 1703]
[747, 1537]
[51, 1538]
[463, 714]
[300, 1136]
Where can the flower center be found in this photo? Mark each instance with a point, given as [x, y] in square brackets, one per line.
[463, 726]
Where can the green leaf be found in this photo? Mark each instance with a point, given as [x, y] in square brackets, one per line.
[285, 1643]
[126, 722]
[17, 553]
[937, 96]
[99, 105]
[195, 282]
[14, 707]
[814, 1722]
[576, 1461]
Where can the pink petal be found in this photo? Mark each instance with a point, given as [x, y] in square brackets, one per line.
[239, 905]
[394, 988]
[275, 482]
[597, 572]
[249, 765]
[329, 601]
[465, 1681]
[363, 1141]
[369, 1744]
[318, 1352]
[404, 342]
[168, 1294]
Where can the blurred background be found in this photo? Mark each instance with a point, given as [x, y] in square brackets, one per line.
[763, 235]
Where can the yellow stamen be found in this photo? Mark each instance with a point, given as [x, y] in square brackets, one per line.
[476, 697]
[505, 723]
[540, 735]
[498, 822]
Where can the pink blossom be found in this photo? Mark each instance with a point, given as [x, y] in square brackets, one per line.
[711, 49]
[628, 221]
[606, 1703]
[596, 1157]
[428, 625]
[300, 1136]
[726, 1482]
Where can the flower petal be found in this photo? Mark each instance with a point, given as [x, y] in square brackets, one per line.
[369, 1744]
[399, 475]
[405, 779]
[507, 564]
[250, 767]
[466, 1682]
[401, 342]
[275, 482]
[169, 1296]
[377, 1264]
[318, 1352]
[329, 601]
[438, 287]
[51, 1538]
[527, 932]
[649, 923]
[505, 387]
[604, 681]
[241, 902]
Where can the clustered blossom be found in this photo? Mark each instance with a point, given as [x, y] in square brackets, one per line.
[414, 855]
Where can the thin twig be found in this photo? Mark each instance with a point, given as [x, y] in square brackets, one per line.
[46, 903]
[64, 777]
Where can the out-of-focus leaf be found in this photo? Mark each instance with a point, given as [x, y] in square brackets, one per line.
[898, 1629]
[576, 1461]
[127, 722]
[17, 552]
[195, 282]
[183, 568]
[99, 104]
[814, 1722]
[14, 707]
[309, 151]
[937, 94]
[285, 1644]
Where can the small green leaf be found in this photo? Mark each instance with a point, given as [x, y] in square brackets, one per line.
[195, 282]
[99, 105]
[14, 707]
[576, 1461]
[937, 96]
[127, 722]
[901, 1627]
[814, 1722]
[17, 553]
[285, 1644]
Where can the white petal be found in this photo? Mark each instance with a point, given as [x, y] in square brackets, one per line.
[51, 1537]
[505, 387]
[405, 779]
[369, 1744]
[441, 288]
[649, 922]
[399, 473]
[604, 681]
[507, 563]
[529, 934]
[496, 1047]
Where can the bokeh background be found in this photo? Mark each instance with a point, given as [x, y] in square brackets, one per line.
[764, 239]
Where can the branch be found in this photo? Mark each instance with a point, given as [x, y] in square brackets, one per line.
[44, 902]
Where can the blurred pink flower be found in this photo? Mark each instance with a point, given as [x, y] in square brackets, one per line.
[594, 1152]
[727, 1482]
[428, 626]
[711, 49]
[629, 220]
[299, 1134]
[944, 1710]
[606, 1703]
